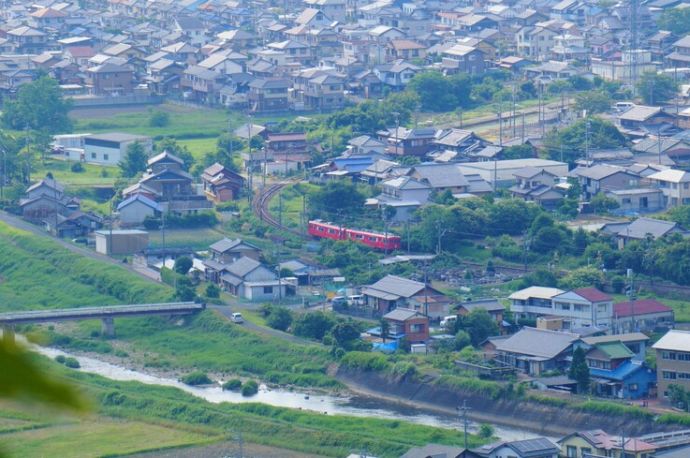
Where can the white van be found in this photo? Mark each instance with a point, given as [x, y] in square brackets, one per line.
[624, 106]
[237, 318]
[448, 320]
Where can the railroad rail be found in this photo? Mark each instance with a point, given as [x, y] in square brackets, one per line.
[262, 202]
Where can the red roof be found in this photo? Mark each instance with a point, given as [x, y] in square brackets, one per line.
[81, 51]
[593, 295]
[642, 307]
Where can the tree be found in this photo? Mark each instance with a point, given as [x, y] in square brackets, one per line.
[518, 152]
[479, 325]
[675, 20]
[280, 318]
[134, 161]
[184, 290]
[385, 329]
[345, 334]
[582, 278]
[593, 102]
[212, 291]
[183, 264]
[462, 340]
[159, 118]
[486, 431]
[434, 90]
[579, 371]
[336, 198]
[39, 106]
[313, 325]
[548, 239]
[601, 203]
[568, 144]
[170, 145]
[656, 88]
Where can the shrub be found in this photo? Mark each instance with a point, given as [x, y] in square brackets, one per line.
[121, 353]
[60, 359]
[77, 167]
[232, 385]
[250, 388]
[212, 291]
[72, 363]
[196, 378]
[159, 119]
[365, 361]
[280, 318]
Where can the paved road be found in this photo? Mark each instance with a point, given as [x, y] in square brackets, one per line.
[226, 312]
[21, 224]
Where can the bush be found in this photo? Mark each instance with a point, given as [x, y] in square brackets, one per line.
[250, 388]
[72, 363]
[280, 318]
[60, 359]
[365, 361]
[196, 378]
[232, 385]
[77, 167]
[159, 119]
[212, 291]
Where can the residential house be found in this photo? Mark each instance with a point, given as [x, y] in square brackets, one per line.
[396, 74]
[673, 361]
[675, 186]
[539, 447]
[641, 117]
[583, 307]
[192, 28]
[465, 143]
[401, 141]
[535, 42]
[534, 351]
[392, 292]
[405, 49]
[680, 57]
[621, 69]
[324, 92]
[227, 251]
[111, 80]
[533, 302]
[637, 200]
[636, 342]
[539, 186]
[251, 280]
[335, 9]
[268, 95]
[463, 59]
[438, 451]
[584, 444]
[366, 145]
[221, 184]
[26, 39]
[379, 171]
[615, 374]
[500, 174]
[408, 324]
[491, 305]
[602, 178]
[642, 229]
[658, 148]
[134, 210]
[449, 177]
[202, 84]
[646, 315]
[46, 199]
[404, 194]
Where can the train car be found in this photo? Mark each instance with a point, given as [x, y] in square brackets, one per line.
[325, 230]
[376, 240]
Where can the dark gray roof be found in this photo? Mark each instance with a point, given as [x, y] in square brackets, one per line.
[398, 285]
[539, 343]
[226, 244]
[534, 447]
[440, 175]
[243, 266]
[489, 304]
[435, 451]
[401, 314]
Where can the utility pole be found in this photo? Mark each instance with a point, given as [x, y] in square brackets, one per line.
[513, 112]
[631, 297]
[587, 127]
[500, 124]
[251, 160]
[462, 413]
[4, 174]
[397, 130]
[658, 137]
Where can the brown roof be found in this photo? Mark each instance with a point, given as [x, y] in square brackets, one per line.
[593, 294]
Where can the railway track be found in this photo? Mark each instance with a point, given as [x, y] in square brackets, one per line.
[262, 201]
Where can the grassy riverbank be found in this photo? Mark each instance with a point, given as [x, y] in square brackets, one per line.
[36, 273]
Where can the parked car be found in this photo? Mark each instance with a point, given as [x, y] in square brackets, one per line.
[237, 318]
[448, 320]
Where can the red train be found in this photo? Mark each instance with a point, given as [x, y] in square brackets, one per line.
[377, 240]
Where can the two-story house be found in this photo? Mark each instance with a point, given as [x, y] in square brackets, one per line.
[675, 186]
[533, 302]
[602, 178]
[111, 79]
[583, 307]
[397, 74]
[673, 360]
[393, 291]
[463, 59]
[221, 184]
[268, 95]
[324, 92]
[404, 194]
[401, 141]
[537, 185]
[408, 324]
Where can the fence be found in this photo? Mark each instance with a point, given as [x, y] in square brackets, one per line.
[96, 102]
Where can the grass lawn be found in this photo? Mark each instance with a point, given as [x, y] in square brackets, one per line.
[93, 175]
[199, 146]
[197, 239]
[97, 437]
[185, 122]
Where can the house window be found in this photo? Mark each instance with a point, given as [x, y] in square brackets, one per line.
[668, 355]
[417, 328]
[586, 450]
[669, 375]
[268, 289]
[627, 201]
[93, 155]
[105, 157]
[571, 451]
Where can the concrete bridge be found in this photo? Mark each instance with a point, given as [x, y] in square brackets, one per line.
[106, 314]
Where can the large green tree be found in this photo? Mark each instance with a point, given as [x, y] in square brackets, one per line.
[39, 106]
[479, 325]
[675, 20]
[134, 161]
[569, 143]
[593, 102]
[579, 371]
[337, 200]
[656, 88]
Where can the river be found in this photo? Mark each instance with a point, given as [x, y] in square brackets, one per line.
[359, 406]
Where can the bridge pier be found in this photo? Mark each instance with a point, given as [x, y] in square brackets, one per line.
[108, 327]
[8, 334]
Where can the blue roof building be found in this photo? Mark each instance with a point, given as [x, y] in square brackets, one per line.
[630, 380]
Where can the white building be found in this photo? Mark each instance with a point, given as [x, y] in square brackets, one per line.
[674, 184]
[111, 148]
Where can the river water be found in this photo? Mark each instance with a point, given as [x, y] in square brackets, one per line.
[359, 406]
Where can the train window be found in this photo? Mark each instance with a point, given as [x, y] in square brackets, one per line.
[331, 231]
[372, 239]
